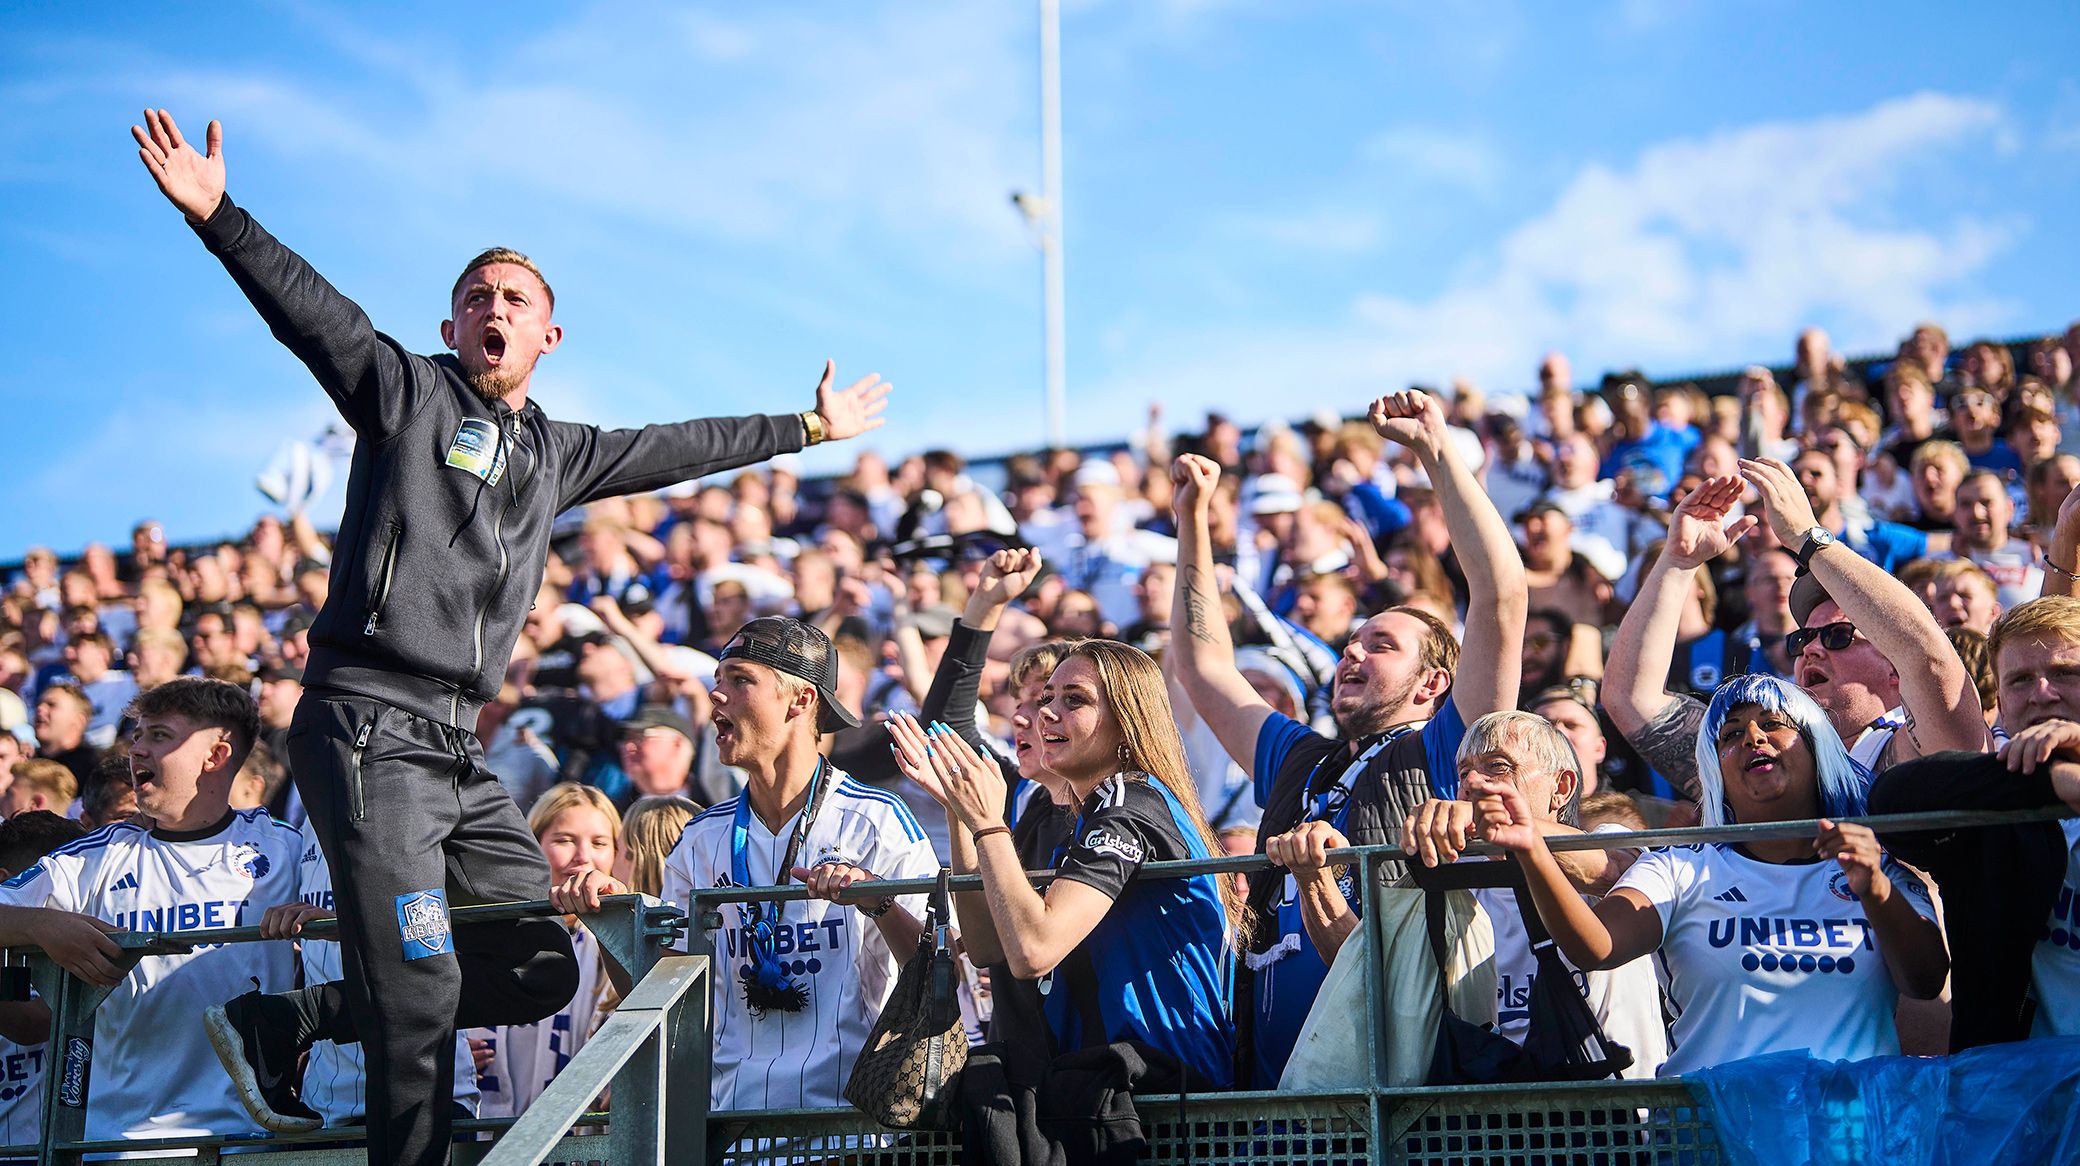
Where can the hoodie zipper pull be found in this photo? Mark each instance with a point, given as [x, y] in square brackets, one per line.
[368, 729]
[369, 628]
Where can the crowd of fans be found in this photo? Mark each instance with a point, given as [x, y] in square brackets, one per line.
[1460, 616]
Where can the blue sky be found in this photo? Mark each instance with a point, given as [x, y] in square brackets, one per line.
[1272, 207]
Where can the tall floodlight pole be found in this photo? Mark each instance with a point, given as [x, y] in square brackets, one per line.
[1051, 227]
[1043, 213]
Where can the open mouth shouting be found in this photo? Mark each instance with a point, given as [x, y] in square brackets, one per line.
[494, 345]
[725, 730]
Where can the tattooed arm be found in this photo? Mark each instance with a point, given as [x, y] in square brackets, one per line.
[1202, 655]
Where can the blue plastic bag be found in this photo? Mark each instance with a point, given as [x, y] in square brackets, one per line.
[2012, 1103]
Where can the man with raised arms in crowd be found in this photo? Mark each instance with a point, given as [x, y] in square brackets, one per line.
[1401, 702]
[457, 475]
[1866, 650]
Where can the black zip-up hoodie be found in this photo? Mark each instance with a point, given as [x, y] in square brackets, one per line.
[451, 497]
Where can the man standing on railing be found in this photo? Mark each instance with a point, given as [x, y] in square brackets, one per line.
[798, 985]
[457, 476]
[198, 866]
[1404, 693]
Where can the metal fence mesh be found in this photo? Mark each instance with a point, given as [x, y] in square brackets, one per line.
[1606, 1125]
[1602, 1124]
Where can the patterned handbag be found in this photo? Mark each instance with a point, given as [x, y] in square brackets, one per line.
[904, 1076]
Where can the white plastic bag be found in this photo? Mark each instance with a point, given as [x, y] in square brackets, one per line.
[1330, 1053]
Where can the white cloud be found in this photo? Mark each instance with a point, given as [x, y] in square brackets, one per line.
[1456, 159]
[1701, 251]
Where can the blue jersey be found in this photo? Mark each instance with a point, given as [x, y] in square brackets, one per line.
[1157, 965]
[1656, 460]
[1888, 544]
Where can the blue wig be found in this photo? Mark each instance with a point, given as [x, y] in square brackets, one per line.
[1843, 782]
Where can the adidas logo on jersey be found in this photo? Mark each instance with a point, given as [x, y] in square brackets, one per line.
[311, 855]
[127, 883]
[1731, 895]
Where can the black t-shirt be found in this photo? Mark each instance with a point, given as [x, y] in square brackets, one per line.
[1042, 827]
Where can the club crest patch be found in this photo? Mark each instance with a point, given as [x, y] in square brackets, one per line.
[253, 863]
[834, 854]
[1838, 885]
[1103, 841]
[422, 924]
[475, 450]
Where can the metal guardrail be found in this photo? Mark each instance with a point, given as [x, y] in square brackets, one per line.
[638, 1050]
[653, 1053]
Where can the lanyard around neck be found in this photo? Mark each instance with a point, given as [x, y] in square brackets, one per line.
[740, 839]
[1333, 805]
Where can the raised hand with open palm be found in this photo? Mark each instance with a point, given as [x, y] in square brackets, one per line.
[190, 179]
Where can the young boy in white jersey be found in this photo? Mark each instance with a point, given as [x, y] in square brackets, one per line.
[800, 983]
[25, 1024]
[197, 865]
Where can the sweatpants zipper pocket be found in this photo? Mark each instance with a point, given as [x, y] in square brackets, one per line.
[383, 574]
[357, 809]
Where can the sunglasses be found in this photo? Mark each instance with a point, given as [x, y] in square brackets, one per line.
[1833, 636]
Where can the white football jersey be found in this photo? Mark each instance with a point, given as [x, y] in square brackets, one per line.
[801, 1059]
[2055, 967]
[1764, 957]
[21, 1093]
[335, 1079]
[526, 1057]
[1626, 1000]
[153, 1073]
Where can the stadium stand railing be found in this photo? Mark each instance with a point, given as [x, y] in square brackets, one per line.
[651, 1058]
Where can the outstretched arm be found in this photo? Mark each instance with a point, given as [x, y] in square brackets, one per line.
[1492, 658]
[364, 373]
[604, 463]
[1942, 706]
[1199, 641]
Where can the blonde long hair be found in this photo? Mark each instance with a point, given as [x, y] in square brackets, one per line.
[570, 795]
[1140, 702]
[649, 831]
